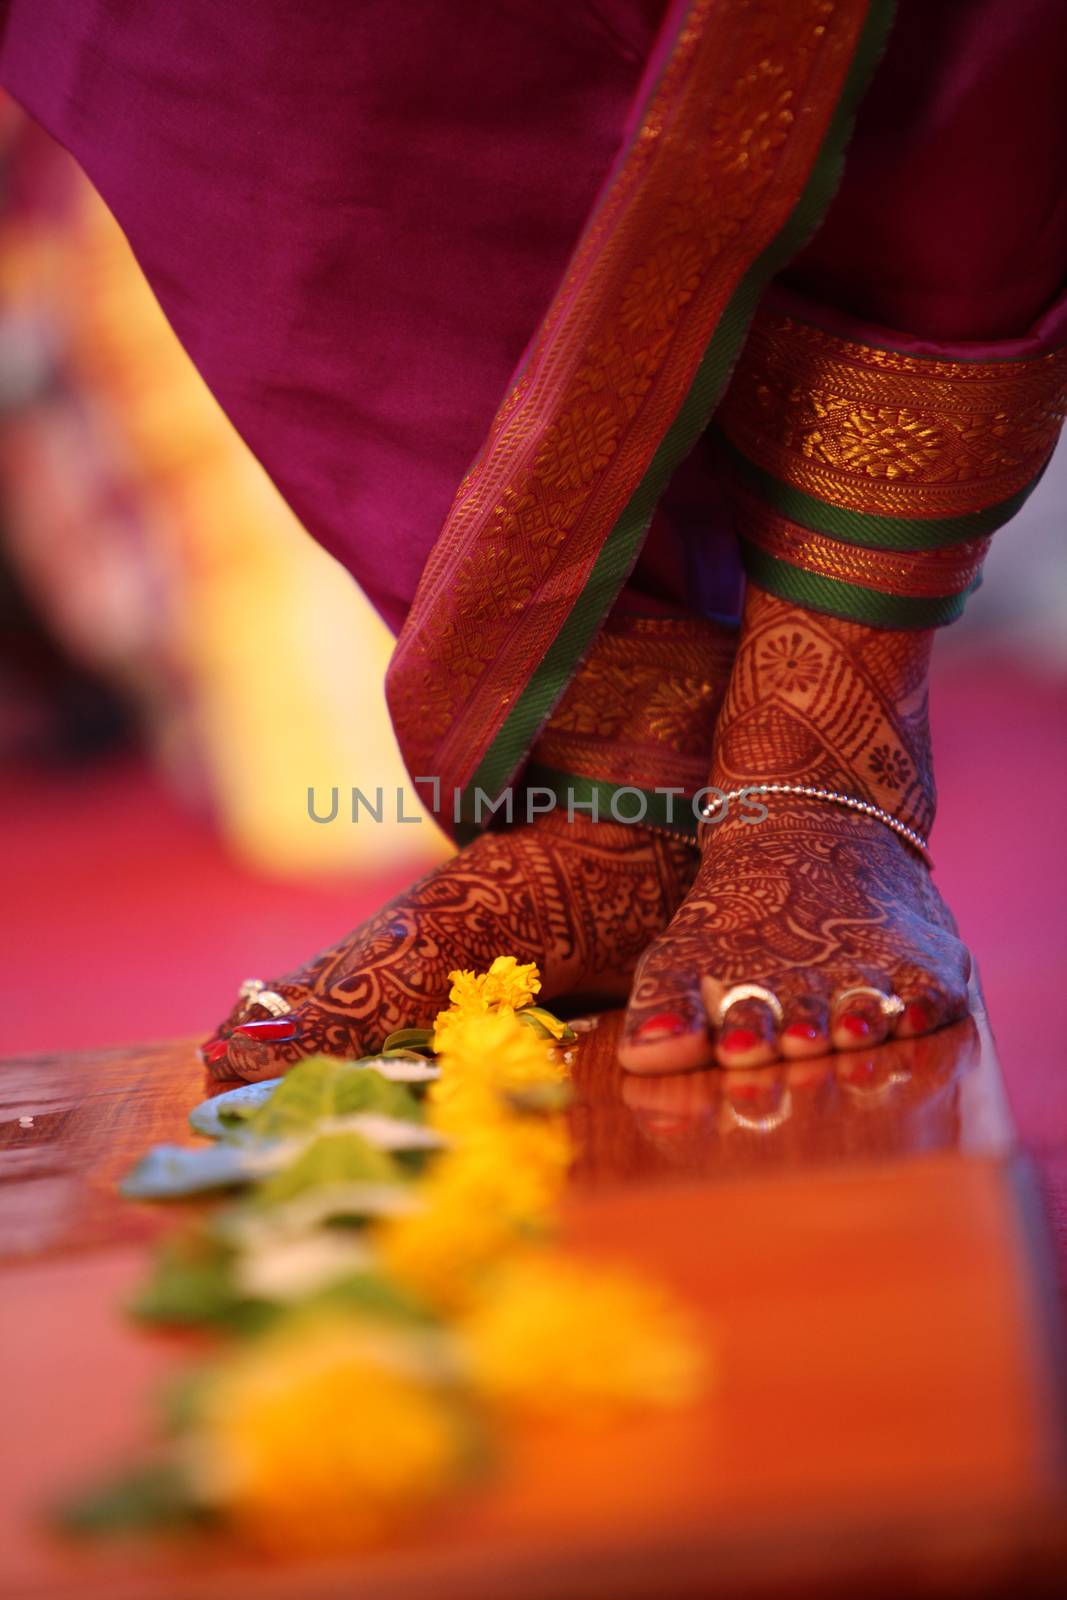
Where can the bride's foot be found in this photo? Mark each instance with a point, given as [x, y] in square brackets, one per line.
[824, 908]
[580, 898]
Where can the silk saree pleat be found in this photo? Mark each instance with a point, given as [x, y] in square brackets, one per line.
[732, 157]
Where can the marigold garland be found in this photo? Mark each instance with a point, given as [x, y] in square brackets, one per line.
[371, 1396]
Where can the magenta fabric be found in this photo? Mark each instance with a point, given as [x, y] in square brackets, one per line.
[951, 220]
[355, 216]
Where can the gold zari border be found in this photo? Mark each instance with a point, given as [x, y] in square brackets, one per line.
[724, 149]
[642, 706]
[922, 574]
[883, 433]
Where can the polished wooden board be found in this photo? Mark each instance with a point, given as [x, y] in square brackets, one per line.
[854, 1236]
[72, 1125]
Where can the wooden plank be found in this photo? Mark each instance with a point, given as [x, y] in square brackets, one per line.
[71, 1125]
[852, 1235]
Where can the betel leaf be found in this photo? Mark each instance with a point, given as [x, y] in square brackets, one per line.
[546, 1023]
[150, 1498]
[409, 1039]
[322, 1089]
[371, 1294]
[225, 1116]
[194, 1283]
[247, 1226]
[173, 1171]
[334, 1159]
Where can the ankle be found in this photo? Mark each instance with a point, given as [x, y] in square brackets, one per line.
[832, 704]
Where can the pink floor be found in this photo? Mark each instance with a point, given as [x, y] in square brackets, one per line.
[126, 920]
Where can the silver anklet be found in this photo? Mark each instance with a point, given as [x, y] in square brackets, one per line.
[808, 792]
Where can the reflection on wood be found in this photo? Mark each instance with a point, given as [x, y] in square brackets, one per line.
[939, 1093]
[851, 1231]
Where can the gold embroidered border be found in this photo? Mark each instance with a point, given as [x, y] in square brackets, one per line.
[642, 707]
[880, 432]
[724, 149]
[922, 574]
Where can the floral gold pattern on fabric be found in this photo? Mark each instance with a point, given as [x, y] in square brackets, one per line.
[920, 574]
[882, 433]
[641, 708]
[711, 177]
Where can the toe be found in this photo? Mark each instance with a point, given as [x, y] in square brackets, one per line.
[266, 1047]
[805, 1027]
[263, 1047]
[746, 1032]
[929, 1002]
[665, 1028]
[859, 1019]
[236, 1045]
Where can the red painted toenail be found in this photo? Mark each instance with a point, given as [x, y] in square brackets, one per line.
[271, 1030]
[802, 1030]
[214, 1051]
[662, 1026]
[917, 1017]
[858, 1027]
[739, 1039]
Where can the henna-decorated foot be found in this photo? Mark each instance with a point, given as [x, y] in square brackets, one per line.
[825, 908]
[580, 899]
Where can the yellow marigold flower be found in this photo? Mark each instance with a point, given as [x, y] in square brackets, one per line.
[482, 1060]
[467, 994]
[507, 986]
[496, 1189]
[310, 1440]
[557, 1337]
[507, 983]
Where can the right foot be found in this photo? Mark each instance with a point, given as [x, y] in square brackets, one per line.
[825, 920]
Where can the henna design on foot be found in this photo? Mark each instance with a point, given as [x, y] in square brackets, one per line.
[813, 902]
[581, 899]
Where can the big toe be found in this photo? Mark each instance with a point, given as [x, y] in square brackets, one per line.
[266, 1047]
[666, 1025]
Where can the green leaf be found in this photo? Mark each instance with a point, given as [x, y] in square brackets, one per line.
[335, 1159]
[323, 1088]
[148, 1498]
[538, 1018]
[373, 1295]
[193, 1284]
[225, 1116]
[409, 1039]
[173, 1171]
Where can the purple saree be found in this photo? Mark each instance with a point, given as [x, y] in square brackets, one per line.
[356, 222]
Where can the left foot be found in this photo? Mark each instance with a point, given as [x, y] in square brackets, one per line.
[824, 908]
[579, 898]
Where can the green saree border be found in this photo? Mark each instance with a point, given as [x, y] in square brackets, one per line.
[672, 812]
[851, 601]
[865, 528]
[622, 545]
